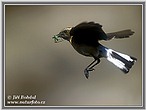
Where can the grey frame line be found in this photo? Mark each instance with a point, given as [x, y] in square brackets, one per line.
[71, 3]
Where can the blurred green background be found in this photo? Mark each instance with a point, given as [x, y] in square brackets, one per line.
[54, 72]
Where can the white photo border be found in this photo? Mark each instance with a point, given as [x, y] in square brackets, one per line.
[73, 3]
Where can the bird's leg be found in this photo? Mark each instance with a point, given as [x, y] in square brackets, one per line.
[90, 67]
[86, 71]
[98, 61]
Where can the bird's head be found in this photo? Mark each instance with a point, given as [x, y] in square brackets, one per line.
[63, 35]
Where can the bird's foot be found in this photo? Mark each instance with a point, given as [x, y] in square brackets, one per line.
[86, 72]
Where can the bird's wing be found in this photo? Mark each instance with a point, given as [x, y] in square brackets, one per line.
[88, 32]
[120, 34]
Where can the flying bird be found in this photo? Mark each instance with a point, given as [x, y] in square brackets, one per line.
[85, 38]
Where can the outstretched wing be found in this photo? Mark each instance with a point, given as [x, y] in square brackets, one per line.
[88, 33]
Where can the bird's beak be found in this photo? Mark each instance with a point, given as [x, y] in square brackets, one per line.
[57, 38]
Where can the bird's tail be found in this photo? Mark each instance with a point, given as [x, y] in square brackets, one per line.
[122, 61]
[120, 34]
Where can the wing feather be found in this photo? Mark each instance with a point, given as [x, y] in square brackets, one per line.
[88, 33]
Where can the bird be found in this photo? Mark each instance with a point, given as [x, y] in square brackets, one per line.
[85, 38]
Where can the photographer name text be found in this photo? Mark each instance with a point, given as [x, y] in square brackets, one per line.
[22, 97]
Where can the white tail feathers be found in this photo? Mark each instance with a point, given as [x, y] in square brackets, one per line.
[122, 61]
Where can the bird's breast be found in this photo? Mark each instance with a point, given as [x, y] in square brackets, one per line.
[85, 50]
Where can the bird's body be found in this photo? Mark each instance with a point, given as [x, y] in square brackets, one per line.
[84, 49]
[85, 39]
